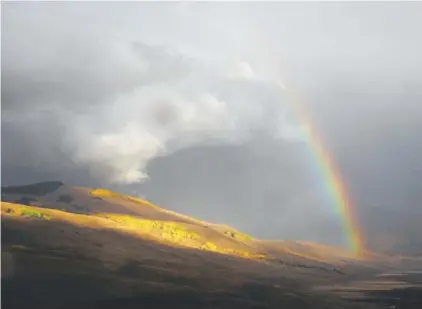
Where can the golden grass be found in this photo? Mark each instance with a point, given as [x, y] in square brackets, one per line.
[237, 235]
[15, 210]
[169, 232]
[110, 194]
[175, 233]
[104, 193]
[24, 211]
[189, 232]
[226, 230]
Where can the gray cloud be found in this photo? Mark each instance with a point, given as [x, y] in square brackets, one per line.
[105, 94]
[156, 100]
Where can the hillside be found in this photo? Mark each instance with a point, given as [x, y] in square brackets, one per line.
[99, 208]
[114, 250]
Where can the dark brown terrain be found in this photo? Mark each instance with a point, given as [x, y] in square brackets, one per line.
[71, 247]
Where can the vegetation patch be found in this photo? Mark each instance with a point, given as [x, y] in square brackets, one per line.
[237, 235]
[24, 211]
[169, 231]
[10, 211]
[209, 246]
[101, 193]
[104, 193]
[176, 233]
[35, 214]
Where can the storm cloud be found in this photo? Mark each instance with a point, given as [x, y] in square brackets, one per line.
[179, 102]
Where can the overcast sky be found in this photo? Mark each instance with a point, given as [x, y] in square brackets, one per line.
[179, 102]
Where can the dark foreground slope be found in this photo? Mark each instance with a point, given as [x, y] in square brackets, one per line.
[93, 269]
[83, 248]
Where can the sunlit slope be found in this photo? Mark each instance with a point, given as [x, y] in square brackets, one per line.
[100, 208]
[56, 195]
[79, 205]
[81, 200]
[116, 240]
[102, 244]
[171, 233]
[61, 258]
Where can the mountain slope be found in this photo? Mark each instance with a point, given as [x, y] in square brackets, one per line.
[133, 215]
[139, 217]
[112, 251]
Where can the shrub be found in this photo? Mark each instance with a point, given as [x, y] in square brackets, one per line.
[35, 214]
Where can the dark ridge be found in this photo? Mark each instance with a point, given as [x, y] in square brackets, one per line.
[65, 198]
[26, 200]
[37, 189]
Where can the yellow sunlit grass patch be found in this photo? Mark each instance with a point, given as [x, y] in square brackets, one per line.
[167, 230]
[110, 194]
[209, 246]
[104, 193]
[237, 235]
[170, 232]
[25, 211]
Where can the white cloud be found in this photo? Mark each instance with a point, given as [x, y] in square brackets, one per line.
[176, 105]
[240, 70]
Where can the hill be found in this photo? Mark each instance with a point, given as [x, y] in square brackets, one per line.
[65, 246]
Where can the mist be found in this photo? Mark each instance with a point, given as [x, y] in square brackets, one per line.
[180, 103]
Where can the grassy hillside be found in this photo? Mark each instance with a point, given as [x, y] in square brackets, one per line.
[67, 247]
[167, 232]
[142, 219]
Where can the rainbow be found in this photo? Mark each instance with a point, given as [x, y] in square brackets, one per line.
[331, 176]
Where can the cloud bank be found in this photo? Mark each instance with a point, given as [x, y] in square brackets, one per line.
[126, 103]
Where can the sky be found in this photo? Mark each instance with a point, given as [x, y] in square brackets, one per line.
[179, 103]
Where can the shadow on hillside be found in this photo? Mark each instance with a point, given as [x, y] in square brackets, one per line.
[69, 273]
[398, 298]
[391, 295]
[37, 189]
